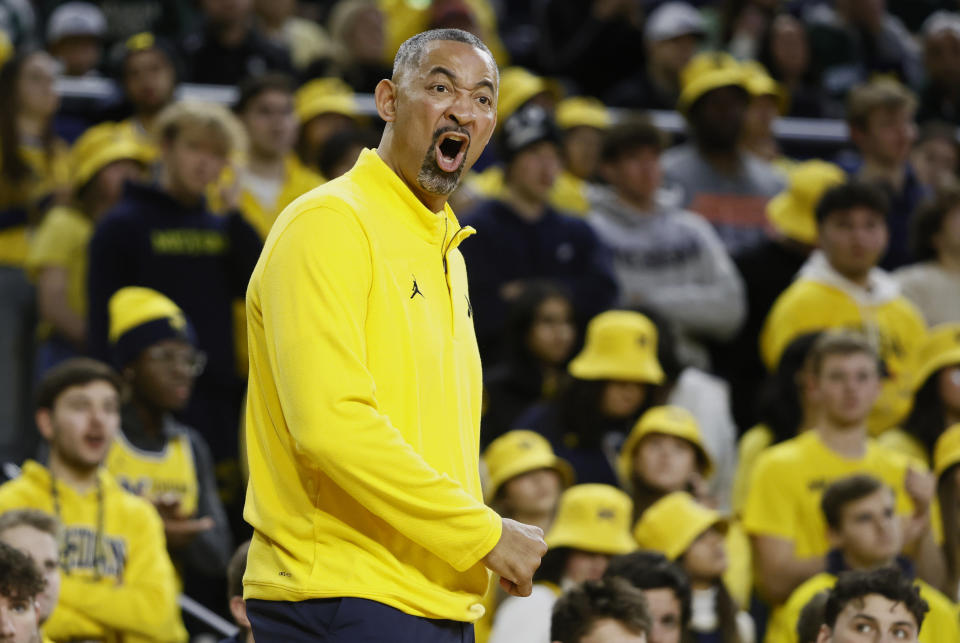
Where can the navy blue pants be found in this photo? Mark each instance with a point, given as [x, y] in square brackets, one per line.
[348, 620]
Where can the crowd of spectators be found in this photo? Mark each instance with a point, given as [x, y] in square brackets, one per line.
[721, 365]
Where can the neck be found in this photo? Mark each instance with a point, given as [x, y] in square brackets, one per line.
[266, 166]
[861, 279]
[31, 126]
[764, 147]
[433, 202]
[146, 118]
[726, 161]
[149, 416]
[79, 479]
[949, 261]
[528, 209]
[700, 584]
[644, 203]
[849, 442]
[893, 174]
[176, 190]
[859, 564]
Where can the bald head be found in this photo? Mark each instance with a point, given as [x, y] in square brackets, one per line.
[410, 52]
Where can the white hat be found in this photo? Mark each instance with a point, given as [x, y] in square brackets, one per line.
[940, 21]
[671, 20]
[76, 19]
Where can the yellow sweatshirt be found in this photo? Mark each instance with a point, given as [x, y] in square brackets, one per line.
[363, 408]
[134, 598]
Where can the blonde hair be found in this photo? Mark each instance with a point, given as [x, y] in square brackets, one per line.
[213, 118]
[883, 93]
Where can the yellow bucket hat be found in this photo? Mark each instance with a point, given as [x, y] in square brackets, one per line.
[792, 212]
[586, 111]
[102, 145]
[517, 86]
[594, 518]
[761, 83]
[325, 96]
[708, 71]
[6, 48]
[517, 452]
[940, 348]
[667, 420]
[672, 523]
[620, 345]
[141, 317]
[946, 452]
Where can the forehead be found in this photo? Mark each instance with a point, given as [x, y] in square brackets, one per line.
[30, 539]
[882, 497]
[848, 360]
[856, 214]
[662, 600]
[464, 59]
[99, 389]
[885, 611]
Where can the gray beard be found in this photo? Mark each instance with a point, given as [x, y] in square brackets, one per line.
[433, 179]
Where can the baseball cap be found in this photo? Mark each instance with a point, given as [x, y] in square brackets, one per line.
[76, 19]
[671, 20]
[531, 124]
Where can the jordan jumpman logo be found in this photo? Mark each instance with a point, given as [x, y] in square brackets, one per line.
[416, 289]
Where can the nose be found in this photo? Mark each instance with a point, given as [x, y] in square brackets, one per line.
[461, 109]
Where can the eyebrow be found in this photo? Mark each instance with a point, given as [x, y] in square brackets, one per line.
[439, 69]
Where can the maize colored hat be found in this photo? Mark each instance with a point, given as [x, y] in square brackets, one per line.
[580, 111]
[620, 345]
[594, 518]
[761, 83]
[666, 420]
[102, 145]
[325, 96]
[792, 212]
[946, 452]
[141, 317]
[6, 48]
[517, 452]
[517, 86]
[940, 348]
[708, 71]
[672, 523]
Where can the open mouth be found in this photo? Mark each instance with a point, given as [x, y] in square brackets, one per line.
[451, 150]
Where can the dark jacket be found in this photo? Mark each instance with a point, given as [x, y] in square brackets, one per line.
[209, 62]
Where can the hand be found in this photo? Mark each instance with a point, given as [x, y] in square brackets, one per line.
[180, 530]
[511, 290]
[517, 556]
[920, 486]
[230, 190]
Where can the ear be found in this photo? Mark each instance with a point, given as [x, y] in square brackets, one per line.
[385, 96]
[825, 635]
[239, 611]
[835, 538]
[44, 420]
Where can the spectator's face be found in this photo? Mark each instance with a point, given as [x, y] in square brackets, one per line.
[789, 47]
[665, 615]
[271, 124]
[868, 14]
[888, 137]
[706, 559]
[193, 161]
[873, 619]
[608, 630]
[947, 240]
[438, 122]
[534, 492]
[761, 113]
[869, 532]
[718, 118]
[79, 54]
[533, 172]
[847, 387]
[552, 333]
[621, 400]
[671, 55]
[108, 182]
[935, 162]
[941, 57]
[665, 462]
[948, 380]
[224, 12]
[318, 130]
[35, 93]
[366, 38]
[275, 11]
[149, 80]
[636, 174]
[581, 151]
[18, 620]
[585, 565]
[82, 424]
[162, 376]
[42, 549]
[853, 240]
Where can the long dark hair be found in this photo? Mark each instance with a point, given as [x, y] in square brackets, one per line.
[928, 418]
[520, 319]
[780, 405]
[727, 610]
[948, 497]
[13, 168]
[552, 566]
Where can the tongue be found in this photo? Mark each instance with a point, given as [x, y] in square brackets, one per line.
[448, 164]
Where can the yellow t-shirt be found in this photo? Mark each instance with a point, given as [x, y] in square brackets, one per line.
[940, 625]
[895, 327]
[30, 195]
[123, 591]
[751, 445]
[902, 442]
[568, 194]
[789, 479]
[738, 578]
[154, 475]
[61, 241]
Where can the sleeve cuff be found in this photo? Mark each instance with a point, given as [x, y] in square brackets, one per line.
[485, 546]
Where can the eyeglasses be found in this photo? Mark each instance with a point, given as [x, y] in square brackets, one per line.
[190, 360]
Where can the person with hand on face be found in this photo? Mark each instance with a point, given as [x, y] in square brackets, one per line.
[116, 577]
[865, 534]
[782, 513]
[870, 606]
[592, 525]
[36, 534]
[20, 586]
[154, 455]
[665, 588]
[601, 611]
[364, 398]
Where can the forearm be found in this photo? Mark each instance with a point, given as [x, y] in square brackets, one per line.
[146, 608]
[778, 580]
[54, 307]
[708, 310]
